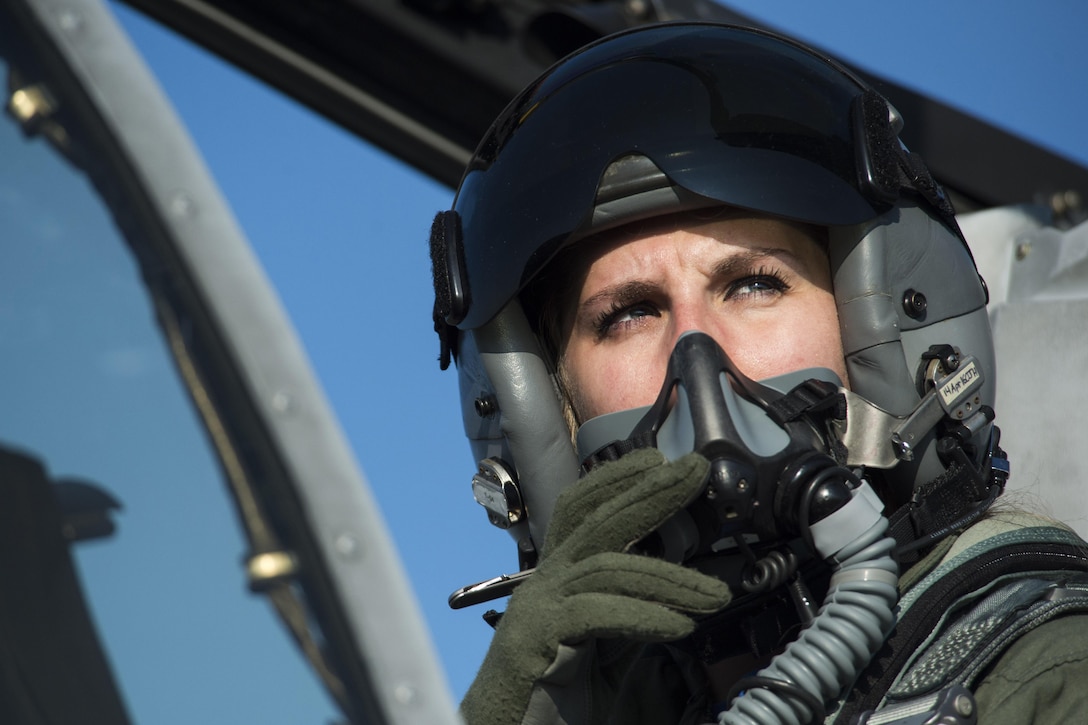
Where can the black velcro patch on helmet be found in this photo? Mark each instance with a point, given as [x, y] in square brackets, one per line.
[878, 149]
[450, 288]
[924, 183]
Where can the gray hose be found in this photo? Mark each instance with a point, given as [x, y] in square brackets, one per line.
[856, 615]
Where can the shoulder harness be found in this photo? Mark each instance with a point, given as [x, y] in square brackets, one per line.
[960, 618]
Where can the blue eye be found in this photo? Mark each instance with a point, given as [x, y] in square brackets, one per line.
[756, 285]
[620, 316]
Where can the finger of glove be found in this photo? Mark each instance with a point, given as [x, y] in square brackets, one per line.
[601, 485]
[650, 499]
[609, 615]
[647, 579]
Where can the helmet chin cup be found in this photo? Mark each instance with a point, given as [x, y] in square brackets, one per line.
[763, 443]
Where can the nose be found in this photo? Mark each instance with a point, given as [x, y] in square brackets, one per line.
[694, 315]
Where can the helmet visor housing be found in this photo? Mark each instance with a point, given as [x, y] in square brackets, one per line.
[731, 115]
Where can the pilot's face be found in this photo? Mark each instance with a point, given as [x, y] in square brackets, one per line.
[760, 287]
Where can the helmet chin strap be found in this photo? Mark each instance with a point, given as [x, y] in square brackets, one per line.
[952, 501]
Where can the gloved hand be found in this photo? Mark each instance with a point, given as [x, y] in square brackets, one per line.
[587, 585]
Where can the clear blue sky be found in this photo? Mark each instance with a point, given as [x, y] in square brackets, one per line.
[341, 229]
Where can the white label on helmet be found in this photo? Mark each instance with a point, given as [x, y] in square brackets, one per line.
[959, 385]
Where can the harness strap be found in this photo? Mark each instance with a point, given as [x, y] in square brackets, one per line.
[811, 396]
[934, 507]
[986, 628]
[816, 399]
[951, 502]
[924, 613]
[617, 449]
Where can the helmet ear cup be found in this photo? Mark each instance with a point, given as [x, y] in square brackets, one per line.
[874, 266]
[523, 423]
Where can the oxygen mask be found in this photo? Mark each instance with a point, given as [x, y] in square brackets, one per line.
[773, 447]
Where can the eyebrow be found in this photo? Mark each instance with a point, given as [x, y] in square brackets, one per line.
[621, 293]
[635, 289]
[743, 261]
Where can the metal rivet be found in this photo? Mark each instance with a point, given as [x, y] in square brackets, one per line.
[30, 104]
[1066, 202]
[69, 21]
[270, 567]
[1023, 250]
[346, 545]
[486, 406]
[914, 304]
[639, 9]
[281, 402]
[182, 206]
[404, 694]
[964, 706]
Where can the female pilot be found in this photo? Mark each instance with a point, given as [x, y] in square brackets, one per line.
[727, 369]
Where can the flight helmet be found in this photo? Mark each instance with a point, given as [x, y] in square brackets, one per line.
[679, 117]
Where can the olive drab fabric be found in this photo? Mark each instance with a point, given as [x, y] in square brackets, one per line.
[588, 586]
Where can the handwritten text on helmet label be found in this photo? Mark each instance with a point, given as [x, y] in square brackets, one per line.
[960, 383]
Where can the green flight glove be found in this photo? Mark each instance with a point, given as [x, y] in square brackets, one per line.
[588, 586]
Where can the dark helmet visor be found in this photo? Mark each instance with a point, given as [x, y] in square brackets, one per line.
[734, 115]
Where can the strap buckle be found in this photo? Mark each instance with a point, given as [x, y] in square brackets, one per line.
[954, 705]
